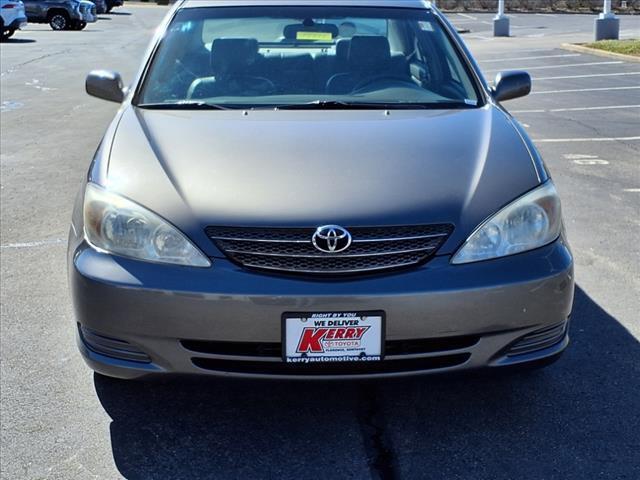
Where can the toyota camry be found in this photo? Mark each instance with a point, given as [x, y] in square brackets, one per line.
[315, 189]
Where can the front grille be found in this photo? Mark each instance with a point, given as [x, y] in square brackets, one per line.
[538, 340]
[266, 357]
[274, 349]
[291, 250]
[351, 368]
[112, 347]
[84, 9]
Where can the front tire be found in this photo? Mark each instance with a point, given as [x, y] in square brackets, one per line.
[59, 21]
[78, 25]
[6, 34]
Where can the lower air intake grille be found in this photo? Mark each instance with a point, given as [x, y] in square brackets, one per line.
[112, 347]
[538, 340]
[353, 368]
[290, 250]
[274, 350]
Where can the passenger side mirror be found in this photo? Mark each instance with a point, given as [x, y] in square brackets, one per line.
[106, 85]
[510, 85]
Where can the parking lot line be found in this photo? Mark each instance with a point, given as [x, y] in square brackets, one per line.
[43, 243]
[578, 109]
[593, 139]
[581, 109]
[531, 50]
[578, 90]
[470, 17]
[568, 65]
[593, 75]
[532, 58]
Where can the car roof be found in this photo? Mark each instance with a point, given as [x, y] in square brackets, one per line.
[322, 3]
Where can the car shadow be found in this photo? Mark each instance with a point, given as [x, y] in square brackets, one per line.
[118, 13]
[19, 40]
[575, 419]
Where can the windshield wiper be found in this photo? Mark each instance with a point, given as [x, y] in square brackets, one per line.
[185, 106]
[344, 105]
[314, 105]
[331, 105]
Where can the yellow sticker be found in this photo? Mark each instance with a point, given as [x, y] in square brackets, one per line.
[314, 36]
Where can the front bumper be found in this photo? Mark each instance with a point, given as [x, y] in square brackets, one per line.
[462, 317]
[17, 23]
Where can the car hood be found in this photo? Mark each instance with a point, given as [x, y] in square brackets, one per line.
[309, 168]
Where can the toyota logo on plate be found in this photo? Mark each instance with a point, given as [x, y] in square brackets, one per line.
[331, 239]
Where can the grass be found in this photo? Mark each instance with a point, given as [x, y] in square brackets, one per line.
[627, 47]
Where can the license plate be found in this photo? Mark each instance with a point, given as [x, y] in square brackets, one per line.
[332, 337]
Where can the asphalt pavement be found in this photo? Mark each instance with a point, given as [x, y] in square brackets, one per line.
[577, 419]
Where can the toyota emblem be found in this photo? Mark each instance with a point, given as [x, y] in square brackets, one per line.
[331, 239]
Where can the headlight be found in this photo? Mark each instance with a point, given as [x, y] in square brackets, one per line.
[532, 221]
[117, 225]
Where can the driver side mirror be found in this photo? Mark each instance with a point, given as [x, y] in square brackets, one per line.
[510, 85]
[106, 85]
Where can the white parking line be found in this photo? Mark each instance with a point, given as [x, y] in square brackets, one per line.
[594, 139]
[577, 90]
[581, 109]
[532, 58]
[470, 17]
[564, 77]
[578, 109]
[567, 65]
[43, 243]
[532, 50]
[546, 15]
[585, 160]
[631, 190]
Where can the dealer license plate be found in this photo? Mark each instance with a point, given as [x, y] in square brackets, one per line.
[333, 337]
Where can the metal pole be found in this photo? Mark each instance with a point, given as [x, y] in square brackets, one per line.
[501, 8]
[501, 22]
[607, 8]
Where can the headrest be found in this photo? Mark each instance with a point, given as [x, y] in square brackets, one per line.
[231, 55]
[342, 49]
[369, 52]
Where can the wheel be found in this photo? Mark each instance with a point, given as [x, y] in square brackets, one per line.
[59, 21]
[6, 34]
[77, 25]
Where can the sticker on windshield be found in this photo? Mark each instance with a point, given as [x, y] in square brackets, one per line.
[426, 26]
[315, 36]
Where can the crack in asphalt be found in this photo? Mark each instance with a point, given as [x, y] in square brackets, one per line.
[42, 57]
[377, 444]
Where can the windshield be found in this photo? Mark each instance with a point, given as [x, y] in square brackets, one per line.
[253, 57]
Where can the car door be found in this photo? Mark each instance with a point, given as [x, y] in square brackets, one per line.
[33, 9]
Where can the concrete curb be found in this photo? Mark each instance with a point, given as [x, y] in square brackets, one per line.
[600, 53]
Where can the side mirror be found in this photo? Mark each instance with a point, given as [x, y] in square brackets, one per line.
[510, 85]
[106, 85]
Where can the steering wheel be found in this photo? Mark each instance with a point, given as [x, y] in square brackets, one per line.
[260, 84]
[368, 82]
[229, 85]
